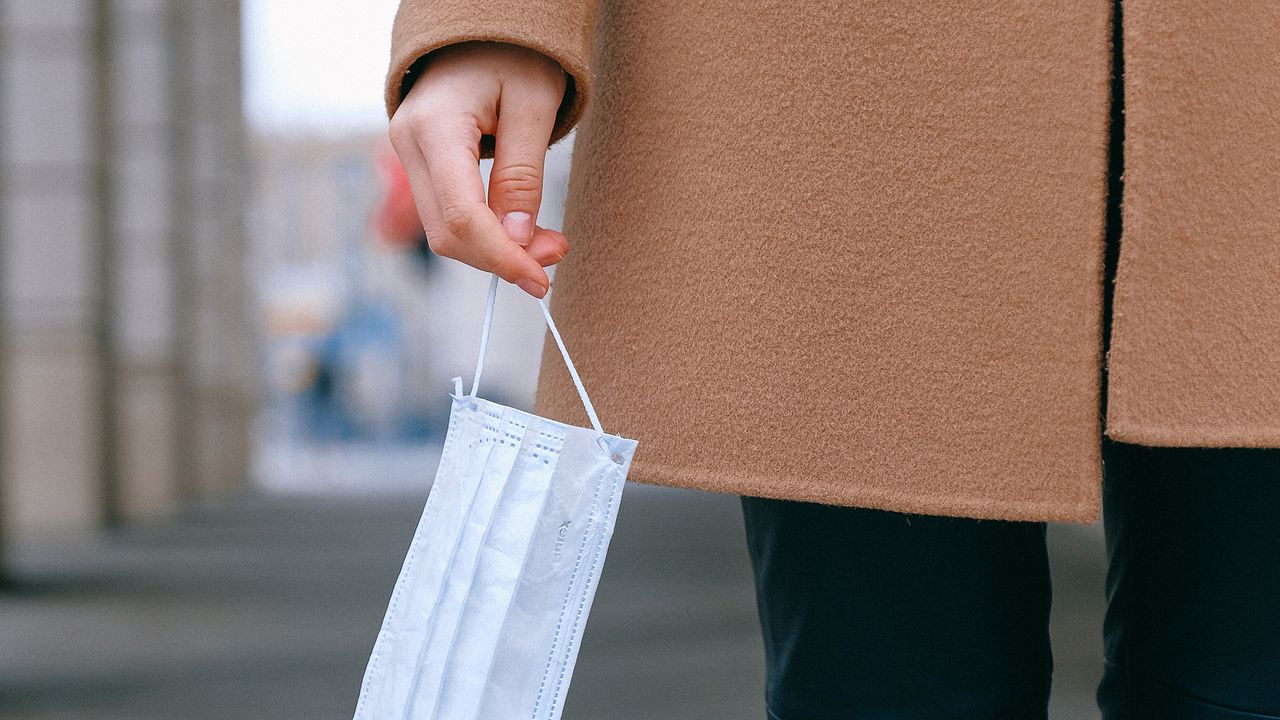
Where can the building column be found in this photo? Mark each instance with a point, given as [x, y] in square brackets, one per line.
[4, 335]
[214, 334]
[126, 355]
[136, 64]
[52, 353]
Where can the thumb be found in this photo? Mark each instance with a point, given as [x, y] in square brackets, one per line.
[520, 151]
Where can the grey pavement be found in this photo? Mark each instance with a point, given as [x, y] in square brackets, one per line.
[267, 607]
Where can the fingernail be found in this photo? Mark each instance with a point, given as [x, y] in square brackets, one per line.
[519, 225]
[531, 287]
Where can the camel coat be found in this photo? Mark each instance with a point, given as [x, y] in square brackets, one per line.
[853, 252]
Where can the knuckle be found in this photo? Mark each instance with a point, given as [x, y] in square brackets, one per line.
[439, 130]
[424, 127]
[399, 130]
[517, 182]
[411, 127]
[443, 246]
[458, 221]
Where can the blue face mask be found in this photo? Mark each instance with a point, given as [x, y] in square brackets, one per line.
[489, 608]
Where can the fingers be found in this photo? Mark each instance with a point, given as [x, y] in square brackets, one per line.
[471, 231]
[547, 247]
[520, 149]
[479, 90]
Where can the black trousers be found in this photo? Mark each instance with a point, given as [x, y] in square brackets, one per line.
[874, 614]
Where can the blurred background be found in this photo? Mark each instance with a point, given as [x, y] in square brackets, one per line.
[224, 365]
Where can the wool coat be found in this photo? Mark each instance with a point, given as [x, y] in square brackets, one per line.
[853, 252]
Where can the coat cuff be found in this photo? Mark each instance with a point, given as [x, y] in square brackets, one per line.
[559, 29]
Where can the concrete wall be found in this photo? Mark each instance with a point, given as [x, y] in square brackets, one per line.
[52, 361]
[217, 347]
[125, 351]
[137, 68]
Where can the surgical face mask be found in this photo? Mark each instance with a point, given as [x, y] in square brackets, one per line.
[488, 611]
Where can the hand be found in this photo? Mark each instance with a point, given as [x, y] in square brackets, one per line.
[465, 91]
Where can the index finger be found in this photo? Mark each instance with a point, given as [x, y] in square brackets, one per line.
[454, 168]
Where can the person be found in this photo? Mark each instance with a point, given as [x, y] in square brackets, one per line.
[908, 277]
[394, 217]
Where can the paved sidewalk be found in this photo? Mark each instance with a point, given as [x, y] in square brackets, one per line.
[267, 608]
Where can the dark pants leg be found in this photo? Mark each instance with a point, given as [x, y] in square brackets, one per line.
[1193, 617]
[1193, 536]
[872, 614]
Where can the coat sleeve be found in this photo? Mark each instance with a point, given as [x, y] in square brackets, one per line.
[560, 29]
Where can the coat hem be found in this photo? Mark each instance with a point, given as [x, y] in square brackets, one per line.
[1083, 512]
[1154, 435]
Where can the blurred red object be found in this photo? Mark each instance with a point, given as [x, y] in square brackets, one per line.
[395, 217]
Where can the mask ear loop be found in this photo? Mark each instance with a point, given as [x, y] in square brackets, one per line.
[555, 333]
[484, 333]
[573, 371]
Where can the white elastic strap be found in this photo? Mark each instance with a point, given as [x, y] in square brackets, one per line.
[555, 333]
[484, 333]
[573, 371]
